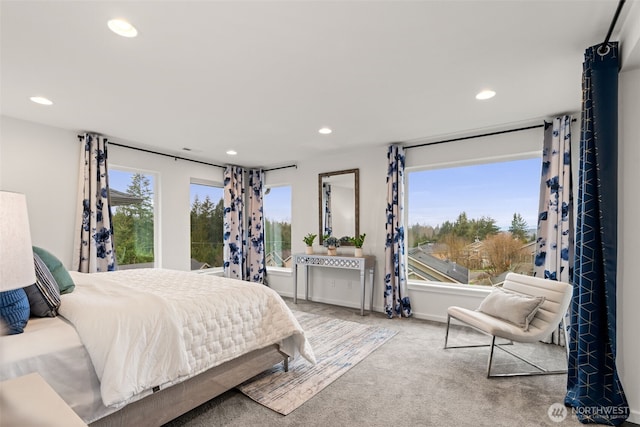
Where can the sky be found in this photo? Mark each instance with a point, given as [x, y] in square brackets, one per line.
[496, 190]
[119, 180]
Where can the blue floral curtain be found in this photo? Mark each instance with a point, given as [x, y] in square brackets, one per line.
[593, 386]
[396, 299]
[554, 246]
[94, 247]
[256, 271]
[234, 242]
[328, 222]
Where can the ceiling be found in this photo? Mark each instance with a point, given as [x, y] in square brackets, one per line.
[262, 77]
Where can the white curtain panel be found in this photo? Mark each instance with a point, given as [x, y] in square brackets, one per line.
[93, 245]
[256, 271]
[555, 241]
[396, 296]
[234, 241]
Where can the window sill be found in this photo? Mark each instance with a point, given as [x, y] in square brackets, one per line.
[279, 271]
[449, 289]
[215, 271]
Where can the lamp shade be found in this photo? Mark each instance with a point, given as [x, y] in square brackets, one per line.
[16, 254]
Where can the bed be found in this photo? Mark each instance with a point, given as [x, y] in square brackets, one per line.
[141, 347]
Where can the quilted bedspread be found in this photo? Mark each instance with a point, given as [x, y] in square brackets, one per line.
[152, 327]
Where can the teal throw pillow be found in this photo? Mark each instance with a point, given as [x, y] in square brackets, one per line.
[57, 269]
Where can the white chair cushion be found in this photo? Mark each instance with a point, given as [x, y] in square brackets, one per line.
[513, 307]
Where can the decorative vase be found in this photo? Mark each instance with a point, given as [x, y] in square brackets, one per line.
[331, 250]
[308, 250]
[358, 252]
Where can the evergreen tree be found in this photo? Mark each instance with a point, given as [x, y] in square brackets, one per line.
[518, 228]
[133, 224]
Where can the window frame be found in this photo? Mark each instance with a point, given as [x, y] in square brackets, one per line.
[157, 250]
[211, 183]
[457, 289]
[282, 271]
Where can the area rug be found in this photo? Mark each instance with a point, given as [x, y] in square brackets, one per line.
[338, 346]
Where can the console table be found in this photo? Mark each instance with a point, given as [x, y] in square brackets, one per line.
[334, 261]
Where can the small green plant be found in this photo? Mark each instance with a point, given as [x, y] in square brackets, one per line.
[358, 241]
[309, 238]
[331, 241]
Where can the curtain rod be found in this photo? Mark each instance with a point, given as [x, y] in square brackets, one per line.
[611, 27]
[462, 138]
[281, 167]
[474, 136]
[144, 150]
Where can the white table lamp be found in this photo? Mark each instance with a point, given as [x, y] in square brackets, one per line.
[16, 254]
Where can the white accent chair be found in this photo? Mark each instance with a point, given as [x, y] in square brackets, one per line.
[550, 314]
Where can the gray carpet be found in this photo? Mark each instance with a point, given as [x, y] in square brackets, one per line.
[410, 381]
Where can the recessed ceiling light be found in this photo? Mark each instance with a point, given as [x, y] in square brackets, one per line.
[485, 94]
[325, 131]
[232, 152]
[41, 100]
[122, 28]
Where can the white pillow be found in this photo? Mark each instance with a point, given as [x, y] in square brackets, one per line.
[513, 307]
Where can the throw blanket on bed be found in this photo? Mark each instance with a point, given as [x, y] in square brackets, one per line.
[150, 327]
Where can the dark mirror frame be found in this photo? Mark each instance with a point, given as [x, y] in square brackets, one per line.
[356, 175]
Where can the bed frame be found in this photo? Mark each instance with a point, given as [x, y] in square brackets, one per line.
[168, 404]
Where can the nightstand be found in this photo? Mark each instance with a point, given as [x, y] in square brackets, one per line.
[28, 401]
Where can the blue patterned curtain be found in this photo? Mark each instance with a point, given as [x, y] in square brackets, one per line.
[593, 386]
[328, 222]
[256, 271]
[396, 299]
[554, 246]
[94, 231]
[234, 242]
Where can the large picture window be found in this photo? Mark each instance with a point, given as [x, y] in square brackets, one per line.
[132, 201]
[472, 224]
[277, 218]
[207, 208]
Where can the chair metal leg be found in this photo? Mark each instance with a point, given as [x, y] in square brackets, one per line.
[446, 338]
[540, 369]
[493, 345]
[446, 335]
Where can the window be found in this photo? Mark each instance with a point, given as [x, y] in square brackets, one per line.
[132, 201]
[207, 209]
[277, 218]
[472, 224]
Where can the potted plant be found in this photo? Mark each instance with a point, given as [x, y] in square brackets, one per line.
[331, 243]
[308, 240]
[358, 241]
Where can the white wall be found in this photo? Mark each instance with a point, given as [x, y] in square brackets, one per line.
[628, 239]
[42, 162]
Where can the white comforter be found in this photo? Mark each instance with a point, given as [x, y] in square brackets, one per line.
[150, 327]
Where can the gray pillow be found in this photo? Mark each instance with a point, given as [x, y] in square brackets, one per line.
[44, 295]
[513, 307]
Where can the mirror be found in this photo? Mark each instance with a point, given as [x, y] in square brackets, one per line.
[339, 204]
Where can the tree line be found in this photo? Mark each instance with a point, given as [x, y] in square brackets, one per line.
[133, 228]
[499, 252]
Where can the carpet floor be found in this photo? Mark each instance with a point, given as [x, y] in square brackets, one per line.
[410, 381]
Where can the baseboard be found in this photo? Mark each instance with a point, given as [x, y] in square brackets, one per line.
[432, 317]
[634, 417]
